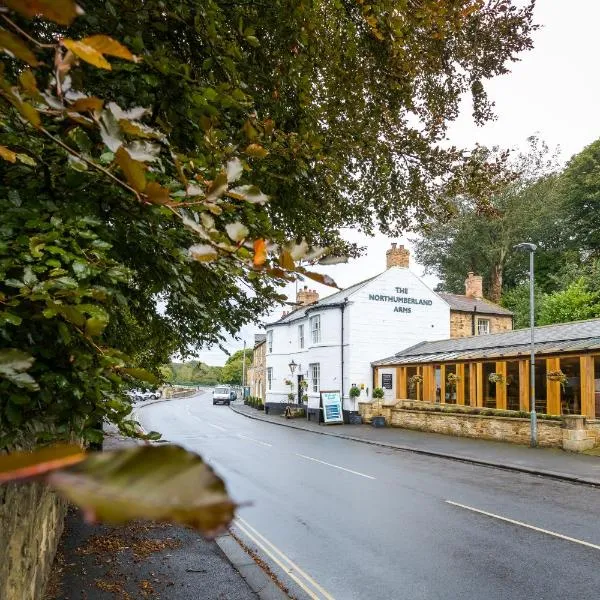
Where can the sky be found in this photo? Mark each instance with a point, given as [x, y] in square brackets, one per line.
[552, 92]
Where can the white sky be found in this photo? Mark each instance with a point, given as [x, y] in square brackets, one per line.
[553, 93]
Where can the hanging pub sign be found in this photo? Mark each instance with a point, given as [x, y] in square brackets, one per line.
[386, 381]
[332, 407]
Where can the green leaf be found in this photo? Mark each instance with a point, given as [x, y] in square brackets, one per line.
[16, 360]
[6, 317]
[142, 375]
[159, 483]
[14, 45]
[94, 326]
[16, 283]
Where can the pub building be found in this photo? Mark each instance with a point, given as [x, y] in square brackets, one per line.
[328, 345]
[493, 371]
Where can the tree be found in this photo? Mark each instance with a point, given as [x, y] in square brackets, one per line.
[219, 144]
[233, 370]
[482, 240]
[574, 303]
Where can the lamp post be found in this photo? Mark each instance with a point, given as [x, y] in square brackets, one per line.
[531, 248]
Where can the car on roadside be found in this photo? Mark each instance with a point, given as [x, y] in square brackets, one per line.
[223, 395]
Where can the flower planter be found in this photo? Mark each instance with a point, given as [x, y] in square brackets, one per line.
[355, 420]
[378, 421]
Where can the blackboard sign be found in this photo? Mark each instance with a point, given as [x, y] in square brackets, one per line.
[386, 381]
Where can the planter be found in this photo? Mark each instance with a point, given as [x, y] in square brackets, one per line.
[378, 421]
[355, 420]
[294, 412]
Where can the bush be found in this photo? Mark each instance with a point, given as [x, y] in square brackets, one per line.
[355, 392]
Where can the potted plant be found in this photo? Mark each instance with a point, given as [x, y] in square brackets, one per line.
[496, 378]
[378, 420]
[354, 392]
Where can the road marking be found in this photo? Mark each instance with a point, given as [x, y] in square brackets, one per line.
[284, 562]
[245, 437]
[526, 525]
[335, 466]
[213, 425]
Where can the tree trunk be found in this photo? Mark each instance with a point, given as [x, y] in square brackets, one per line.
[496, 283]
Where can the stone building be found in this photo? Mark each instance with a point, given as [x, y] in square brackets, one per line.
[257, 370]
[331, 342]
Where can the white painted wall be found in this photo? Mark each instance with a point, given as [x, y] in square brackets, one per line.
[374, 327]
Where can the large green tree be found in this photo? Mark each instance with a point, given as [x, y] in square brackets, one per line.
[233, 371]
[149, 200]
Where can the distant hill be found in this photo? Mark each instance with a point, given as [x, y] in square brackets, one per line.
[192, 372]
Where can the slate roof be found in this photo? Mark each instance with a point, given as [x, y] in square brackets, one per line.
[259, 338]
[466, 304]
[550, 339]
[336, 298]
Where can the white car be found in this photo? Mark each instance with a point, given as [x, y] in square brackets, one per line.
[223, 395]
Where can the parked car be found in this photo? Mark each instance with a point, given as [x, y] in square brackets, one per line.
[223, 395]
[143, 395]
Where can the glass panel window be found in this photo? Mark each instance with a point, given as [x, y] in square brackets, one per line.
[570, 390]
[269, 377]
[451, 384]
[314, 371]
[414, 387]
[597, 384]
[483, 326]
[540, 384]
[512, 385]
[270, 341]
[315, 329]
[438, 383]
[468, 386]
[301, 336]
[489, 387]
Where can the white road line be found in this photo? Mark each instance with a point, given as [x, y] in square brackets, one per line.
[215, 426]
[335, 466]
[526, 525]
[305, 581]
[245, 437]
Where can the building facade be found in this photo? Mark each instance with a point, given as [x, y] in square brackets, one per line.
[493, 371]
[257, 371]
[331, 343]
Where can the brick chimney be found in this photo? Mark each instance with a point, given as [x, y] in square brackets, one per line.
[306, 296]
[474, 285]
[397, 256]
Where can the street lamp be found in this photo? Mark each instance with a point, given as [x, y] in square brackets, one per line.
[531, 248]
[292, 366]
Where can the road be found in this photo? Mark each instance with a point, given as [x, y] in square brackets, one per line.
[353, 521]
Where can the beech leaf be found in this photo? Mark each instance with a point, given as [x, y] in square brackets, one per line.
[62, 12]
[324, 279]
[133, 170]
[260, 252]
[7, 154]
[86, 53]
[203, 252]
[256, 151]
[12, 44]
[91, 104]
[106, 45]
[236, 231]
[286, 260]
[234, 169]
[156, 193]
[141, 374]
[249, 193]
[158, 483]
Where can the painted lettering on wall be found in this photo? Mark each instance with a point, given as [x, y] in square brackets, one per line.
[404, 299]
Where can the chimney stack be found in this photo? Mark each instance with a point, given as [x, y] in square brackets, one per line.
[473, 285]
[397, 256]
[306, 296]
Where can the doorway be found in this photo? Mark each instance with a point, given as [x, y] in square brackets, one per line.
[300, 388]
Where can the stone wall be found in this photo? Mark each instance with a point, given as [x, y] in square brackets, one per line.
[31, 523]
[461, 323]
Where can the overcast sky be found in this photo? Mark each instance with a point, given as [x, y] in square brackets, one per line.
[552, 93]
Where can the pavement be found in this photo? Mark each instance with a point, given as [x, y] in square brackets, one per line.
[145, 560]
[547, 462]
[335, 518]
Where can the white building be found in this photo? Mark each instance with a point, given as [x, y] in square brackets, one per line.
[334, 340]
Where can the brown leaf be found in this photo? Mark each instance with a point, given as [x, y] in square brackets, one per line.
[260, 252]
[9, 41]
[7, 154]
[217, 187]
[19, 465]
[158, 483]
[106, 45]
[324, 279]
[86, 53]
[286, 260]
[256, 151]
[139, 130]
[28, 83]
[91, 104]
[133, 170]
[156, 193]
[59, 11]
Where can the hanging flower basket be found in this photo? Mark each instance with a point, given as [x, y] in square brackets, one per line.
[496, 378]
[288, 382]
[304, 384]
[452, 379]
[414, 381]
[558, 376]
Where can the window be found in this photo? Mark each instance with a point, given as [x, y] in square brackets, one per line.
[269, 377]
[270, 341]
[315, 329]
[301, 336]
[315, 377]
[483, 326]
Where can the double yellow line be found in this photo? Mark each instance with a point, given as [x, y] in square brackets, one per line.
[305, 581]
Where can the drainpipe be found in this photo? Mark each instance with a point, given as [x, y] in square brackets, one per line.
[473, 319]
[342, 307]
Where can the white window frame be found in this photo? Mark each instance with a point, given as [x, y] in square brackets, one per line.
[314, 370]
[485, 330]
[269, 377]
[270, 341]
[301, 336]
[315, 329]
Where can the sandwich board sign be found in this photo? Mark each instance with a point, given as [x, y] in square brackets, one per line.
[332, 407]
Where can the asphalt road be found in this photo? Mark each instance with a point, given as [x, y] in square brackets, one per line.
[353, 521]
